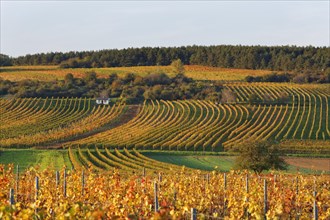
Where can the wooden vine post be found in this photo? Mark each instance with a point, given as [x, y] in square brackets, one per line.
[156, 196]
[265, 199]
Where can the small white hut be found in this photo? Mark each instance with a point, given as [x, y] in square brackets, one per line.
[104, 101]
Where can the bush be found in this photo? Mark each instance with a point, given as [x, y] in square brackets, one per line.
[254, 99]
[157, 79]
[273, 77]
[228, 96]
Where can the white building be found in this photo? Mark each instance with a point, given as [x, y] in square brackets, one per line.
[104, 101]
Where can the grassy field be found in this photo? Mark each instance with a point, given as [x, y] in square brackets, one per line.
[219, 163]
[45, 159]
[48, 73]
[56, 159]
[226, 163]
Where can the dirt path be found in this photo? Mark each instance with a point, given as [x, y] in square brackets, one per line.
[310, 163]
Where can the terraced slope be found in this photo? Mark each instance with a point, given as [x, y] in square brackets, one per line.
[126, 161]
[32, 122]
[203, 125]
[300, 121]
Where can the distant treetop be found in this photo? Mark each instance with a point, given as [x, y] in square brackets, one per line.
[5, 60]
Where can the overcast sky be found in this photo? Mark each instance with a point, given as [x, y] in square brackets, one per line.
[29, 27]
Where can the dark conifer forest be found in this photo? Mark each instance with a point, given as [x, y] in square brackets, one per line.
[279, 58]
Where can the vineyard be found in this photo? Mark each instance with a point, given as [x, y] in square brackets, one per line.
[301, 124]
[110, 177]
[36, 121]
[48, 73]
[175, 194]
[108, 160]
[130, 110]
[204, 125]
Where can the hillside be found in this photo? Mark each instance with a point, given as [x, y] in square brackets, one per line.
[300, 122]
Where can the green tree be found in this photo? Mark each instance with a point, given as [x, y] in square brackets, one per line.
[90, 76]
[283, 98]
[69, 79]
[254, 99]
[258, 156]
[148, 94]
[5, 60]
[177, 66]
[128, 78]
[112, 77]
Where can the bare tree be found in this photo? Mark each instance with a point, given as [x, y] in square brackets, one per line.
[228, 96]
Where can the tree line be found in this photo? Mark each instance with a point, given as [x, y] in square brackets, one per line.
[279, 58]
[131, 88]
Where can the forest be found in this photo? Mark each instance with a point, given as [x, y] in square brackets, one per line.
[278, 58]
